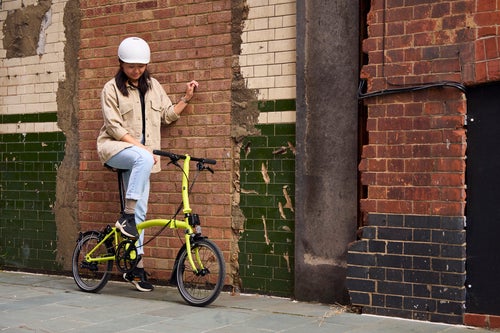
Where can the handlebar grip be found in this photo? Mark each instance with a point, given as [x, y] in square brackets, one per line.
[203, 160]
[207, 161]
[169, 155]
[182, 157]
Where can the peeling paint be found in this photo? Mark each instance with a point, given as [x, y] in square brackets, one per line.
[46, 21]
[237, 225]
[265, 230]
[280, 151]
[248, 191]
[284, 149]
[288, 204]
[287, 259]
[265, 175]
[247, 149]
[282, 212]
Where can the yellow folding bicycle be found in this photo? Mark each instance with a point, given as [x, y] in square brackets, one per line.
[199, 268]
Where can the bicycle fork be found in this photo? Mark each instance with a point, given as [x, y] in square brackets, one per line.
[196, 263]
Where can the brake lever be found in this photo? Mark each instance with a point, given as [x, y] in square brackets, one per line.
[174, 162]
[200, 166]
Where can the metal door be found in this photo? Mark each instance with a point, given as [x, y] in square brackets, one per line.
[483, 199]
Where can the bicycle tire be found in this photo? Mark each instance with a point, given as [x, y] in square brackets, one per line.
[203, 288]
[90, 277]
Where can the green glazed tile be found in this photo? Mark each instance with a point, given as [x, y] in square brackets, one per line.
[285, 105]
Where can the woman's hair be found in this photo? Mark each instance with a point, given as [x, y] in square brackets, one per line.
[121, 81]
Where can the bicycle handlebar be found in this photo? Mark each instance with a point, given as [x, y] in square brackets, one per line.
[176, 157]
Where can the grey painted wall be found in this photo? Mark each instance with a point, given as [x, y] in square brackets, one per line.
[327, 147]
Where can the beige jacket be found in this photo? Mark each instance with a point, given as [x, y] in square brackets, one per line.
[123, 115]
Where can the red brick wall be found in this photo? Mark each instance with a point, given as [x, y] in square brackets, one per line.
[414, 162]
[414, 157]
[486, 47]
[189, 40]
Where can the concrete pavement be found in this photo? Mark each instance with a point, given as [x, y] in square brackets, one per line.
[46, 303]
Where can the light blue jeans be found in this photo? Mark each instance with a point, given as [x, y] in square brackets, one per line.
[138, 162]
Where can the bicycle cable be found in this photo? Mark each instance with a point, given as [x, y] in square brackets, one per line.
[198, 171]
[179, 208]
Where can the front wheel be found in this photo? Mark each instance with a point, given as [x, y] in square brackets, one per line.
[202, 286]
[91, 276]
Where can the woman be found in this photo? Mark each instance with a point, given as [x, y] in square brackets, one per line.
[134, 106]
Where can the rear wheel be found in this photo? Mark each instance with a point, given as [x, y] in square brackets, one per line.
[203, 286]
[91, 276]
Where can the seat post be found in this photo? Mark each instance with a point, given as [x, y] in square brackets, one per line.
[121, 188]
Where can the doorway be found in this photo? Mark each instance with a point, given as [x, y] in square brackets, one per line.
[483, 199]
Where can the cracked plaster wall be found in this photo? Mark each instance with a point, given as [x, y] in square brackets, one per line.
[244, 116]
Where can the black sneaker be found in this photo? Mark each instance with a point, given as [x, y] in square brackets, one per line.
[138, 277]
[126, 224]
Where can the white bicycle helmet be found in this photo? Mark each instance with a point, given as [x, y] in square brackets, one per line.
[134, 50]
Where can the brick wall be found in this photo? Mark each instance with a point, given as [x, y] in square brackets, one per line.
[486, 56]
[32, 146]
[188, 41]
[410, 259]
[414, 162]
[410, 266]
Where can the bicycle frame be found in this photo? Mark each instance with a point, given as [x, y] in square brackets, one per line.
[172, 223]
[117, 237]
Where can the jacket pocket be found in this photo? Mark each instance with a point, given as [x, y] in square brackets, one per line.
[156, 105]
[156, 115]
[126, 109]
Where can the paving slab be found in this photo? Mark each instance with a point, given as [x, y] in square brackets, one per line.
[48, 303]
